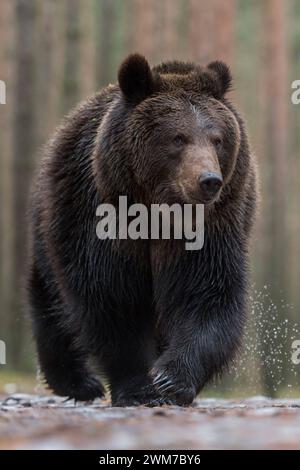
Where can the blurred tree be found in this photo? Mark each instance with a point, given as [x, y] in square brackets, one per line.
[72, 55]
[201, 31]
[105, 15]
[87, 69]
[49, 66]
[294, 187]
[170, 29]
[276, 98]
[7, 23]
[24, 147]
[147, 37]
[211, 30]
[225, 30]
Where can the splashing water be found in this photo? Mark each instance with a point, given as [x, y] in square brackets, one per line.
[267, 349]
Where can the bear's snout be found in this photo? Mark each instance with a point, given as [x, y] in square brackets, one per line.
[210, 184]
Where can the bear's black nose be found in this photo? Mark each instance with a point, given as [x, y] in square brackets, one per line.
[210, 183]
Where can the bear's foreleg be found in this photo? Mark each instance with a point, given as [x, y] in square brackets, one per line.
[202, 338]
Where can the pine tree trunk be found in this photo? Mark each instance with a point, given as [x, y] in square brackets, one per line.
[7, 190]
[24, 140]
[276, 89]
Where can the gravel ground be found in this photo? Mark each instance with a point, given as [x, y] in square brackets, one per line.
[36, 422]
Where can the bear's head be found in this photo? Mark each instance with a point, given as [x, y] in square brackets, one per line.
[176, 138]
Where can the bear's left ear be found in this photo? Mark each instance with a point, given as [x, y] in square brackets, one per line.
[135, 78]
[223, 76]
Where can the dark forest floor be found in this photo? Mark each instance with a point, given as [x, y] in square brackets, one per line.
[33, 422]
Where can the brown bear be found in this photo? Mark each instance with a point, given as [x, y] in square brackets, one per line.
[156, 320]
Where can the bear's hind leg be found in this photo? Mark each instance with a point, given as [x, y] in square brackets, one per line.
[63, 364]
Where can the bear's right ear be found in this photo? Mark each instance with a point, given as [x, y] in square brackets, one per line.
[135, 78]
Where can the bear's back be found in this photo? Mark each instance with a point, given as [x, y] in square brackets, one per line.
[64, 185]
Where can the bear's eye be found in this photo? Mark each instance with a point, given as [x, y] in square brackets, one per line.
[179, 140]
[217, 141]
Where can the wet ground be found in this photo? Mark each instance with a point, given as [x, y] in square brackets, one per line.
[34, 422]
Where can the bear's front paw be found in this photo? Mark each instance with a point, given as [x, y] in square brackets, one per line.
[174, 385]
[143, 395]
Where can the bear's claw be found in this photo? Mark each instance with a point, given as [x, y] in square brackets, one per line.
[174, 387]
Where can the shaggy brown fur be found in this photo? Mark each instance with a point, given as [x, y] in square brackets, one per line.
[158, 321]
